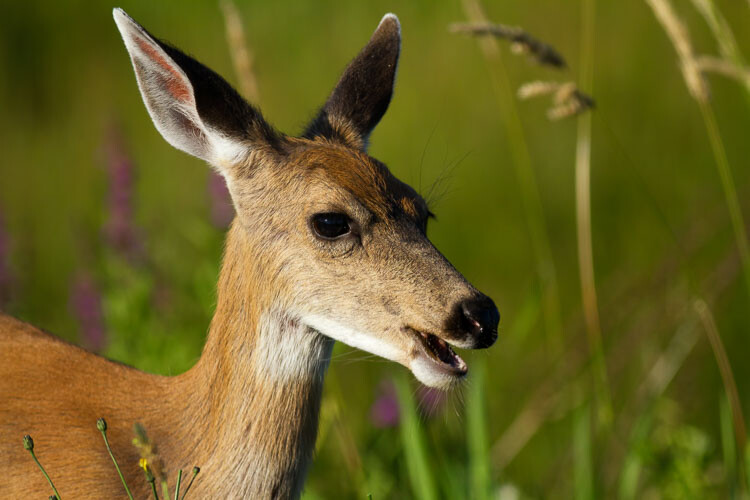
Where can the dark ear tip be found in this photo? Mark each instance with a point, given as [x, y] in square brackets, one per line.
[390, 25]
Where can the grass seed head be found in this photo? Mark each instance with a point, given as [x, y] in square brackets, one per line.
[522, 42]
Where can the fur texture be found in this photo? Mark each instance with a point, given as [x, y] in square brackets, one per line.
[247, 412]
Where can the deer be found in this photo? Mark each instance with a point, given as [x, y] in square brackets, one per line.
[326, 245]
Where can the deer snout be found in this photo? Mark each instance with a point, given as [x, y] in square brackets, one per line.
[478, 319]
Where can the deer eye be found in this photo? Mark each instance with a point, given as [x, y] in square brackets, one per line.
[330, 225]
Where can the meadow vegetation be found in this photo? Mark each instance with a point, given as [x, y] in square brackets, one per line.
[589, 171]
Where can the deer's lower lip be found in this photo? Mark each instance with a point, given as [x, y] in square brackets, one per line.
[438, 351]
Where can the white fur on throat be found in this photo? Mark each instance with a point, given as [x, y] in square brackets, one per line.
[286, 353]
[287, 349]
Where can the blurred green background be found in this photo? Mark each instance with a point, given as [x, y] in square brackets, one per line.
[111, 238]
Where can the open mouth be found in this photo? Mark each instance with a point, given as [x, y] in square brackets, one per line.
[438, 351]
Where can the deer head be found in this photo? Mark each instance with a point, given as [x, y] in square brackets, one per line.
[333, 241]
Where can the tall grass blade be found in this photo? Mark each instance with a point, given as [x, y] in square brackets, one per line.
[412, 439]
[730, 191]
[633, 464]
[583, 466]
[728, 444]
[651, 390]
[583, 223]
[343, 433]
[727, 377]
[476, 431]
[453, 482]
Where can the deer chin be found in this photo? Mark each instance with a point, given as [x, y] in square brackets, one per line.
[434, 362]
[430, 358]
[355, 338]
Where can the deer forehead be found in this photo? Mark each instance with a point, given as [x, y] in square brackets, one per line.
[364, 177]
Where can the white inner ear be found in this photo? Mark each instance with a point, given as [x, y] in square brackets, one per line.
[170, 99]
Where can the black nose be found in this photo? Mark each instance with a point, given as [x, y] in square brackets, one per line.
[481, 319]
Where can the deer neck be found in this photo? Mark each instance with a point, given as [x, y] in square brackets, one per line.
[257, 386]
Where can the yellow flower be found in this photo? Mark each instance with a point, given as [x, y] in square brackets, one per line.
[143, 464]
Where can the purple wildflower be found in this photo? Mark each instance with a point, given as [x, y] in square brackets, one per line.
[6, 277]
[385, 411]
[222, 210]
[86, 305]
[120, 229]
[431, 400]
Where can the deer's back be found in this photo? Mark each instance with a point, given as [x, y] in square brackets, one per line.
[55, 391]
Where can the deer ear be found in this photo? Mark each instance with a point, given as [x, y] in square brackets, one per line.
[193, 108]
[364, 91]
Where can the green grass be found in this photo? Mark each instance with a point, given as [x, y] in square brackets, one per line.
[583, 461]
[478, 441]
[420, 471]
[663, 230]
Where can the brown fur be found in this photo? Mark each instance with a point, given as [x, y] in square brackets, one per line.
[247, 412]
[220, 414]
[56, 391]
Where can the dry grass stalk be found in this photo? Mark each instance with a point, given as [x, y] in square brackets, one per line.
[242, 58]
[559, 391]
[571, 103]
[668, 363]
[698, 88]
[718, 25]
[727, 377]
[721, 30]
[519, 151]
[731, 64]
[567, 99]
[723, 67]
[678, 34]
[522, 42]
